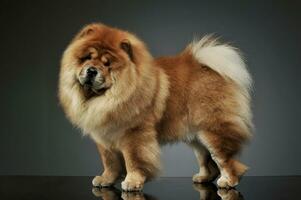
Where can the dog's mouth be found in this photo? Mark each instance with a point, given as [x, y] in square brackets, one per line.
[88, 87]
[92, 89]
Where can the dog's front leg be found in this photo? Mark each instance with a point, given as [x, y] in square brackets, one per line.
[112, 167]
[141, 154]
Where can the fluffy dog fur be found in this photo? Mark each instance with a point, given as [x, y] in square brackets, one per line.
[200, 97]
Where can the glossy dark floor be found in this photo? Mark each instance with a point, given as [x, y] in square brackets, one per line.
[80, 188]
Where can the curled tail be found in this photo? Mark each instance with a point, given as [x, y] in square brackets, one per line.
[228, 62]
[222, 58]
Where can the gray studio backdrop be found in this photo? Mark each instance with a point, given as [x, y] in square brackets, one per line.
[36, 139]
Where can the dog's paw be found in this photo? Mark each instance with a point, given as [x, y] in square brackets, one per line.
[200, 178]
[204, 178]
[131, 185]
[207, 174]
[225, 182]
[101, 181]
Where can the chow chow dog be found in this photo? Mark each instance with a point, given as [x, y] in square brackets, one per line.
[130, 103]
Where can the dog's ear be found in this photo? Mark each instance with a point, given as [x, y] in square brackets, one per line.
[126, 46]
[88, 30]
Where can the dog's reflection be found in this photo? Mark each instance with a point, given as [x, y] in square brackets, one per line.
[207, 192]
[111, 193]
[108, 193]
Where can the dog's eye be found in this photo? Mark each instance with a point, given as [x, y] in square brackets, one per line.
[86, 57]
[107, 63]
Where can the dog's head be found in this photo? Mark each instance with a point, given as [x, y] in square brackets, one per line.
[99, 56]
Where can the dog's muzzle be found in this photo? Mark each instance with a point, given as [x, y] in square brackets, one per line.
[91, 73]
[91, 78]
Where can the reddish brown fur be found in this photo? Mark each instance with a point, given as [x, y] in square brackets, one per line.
[173, 97]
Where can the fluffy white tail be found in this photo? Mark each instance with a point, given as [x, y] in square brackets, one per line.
[227, 61]
[222, 58]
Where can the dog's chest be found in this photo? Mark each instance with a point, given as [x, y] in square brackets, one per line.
[97, 121]
[107, 139]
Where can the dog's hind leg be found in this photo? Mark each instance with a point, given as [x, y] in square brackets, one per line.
[224, 141]
[208, 170]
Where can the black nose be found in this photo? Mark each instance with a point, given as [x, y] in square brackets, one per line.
[91, 71]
